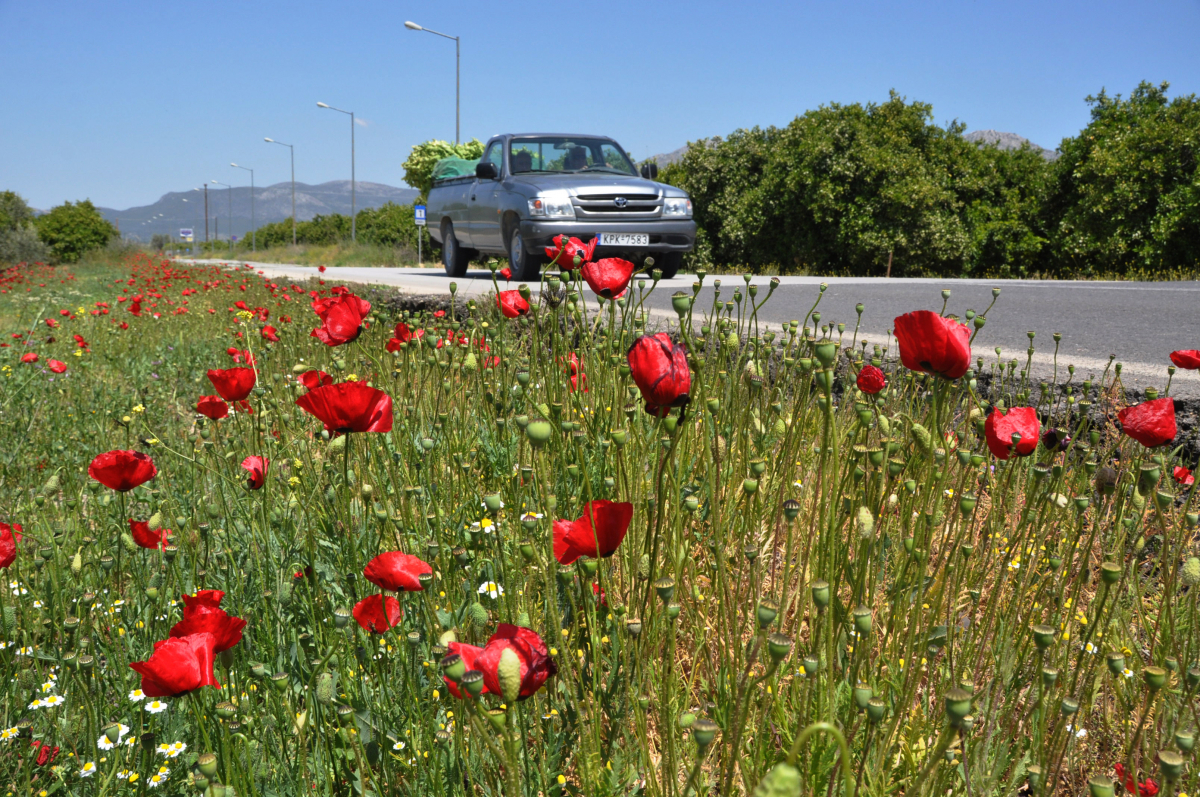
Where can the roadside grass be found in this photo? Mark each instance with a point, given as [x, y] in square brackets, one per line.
[812, 562]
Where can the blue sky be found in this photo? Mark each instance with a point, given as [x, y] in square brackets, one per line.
[122, 101]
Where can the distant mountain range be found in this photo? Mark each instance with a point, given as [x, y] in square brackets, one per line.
[185, 209]
[1001, 140]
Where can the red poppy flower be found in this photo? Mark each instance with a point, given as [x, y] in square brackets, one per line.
[565, 250]
[240, 356]
[349, 407]
[234, 384]
[1151, 423]
[311, 379]
[213, 407]
[9, 537]
[341, 318]
[270, 333]
[1147, 788]
[321, 269]
[396, 571]
[439, 313]
[512, 303]
[145, 538]
[660, 370]
[1188, 359]
[57, 366]
[46, 753]
[597, 534]
[203, 618]
[932, 344]
[532, 655]
[178, 665]
[370, 613]
[599, 595]
[257, 468]
[1181, 474]
[31, 357]
[999, 429]
[608, 277]
[470, 656]
[122, 470]
[870, 380]
[403, 334]
[505, 272]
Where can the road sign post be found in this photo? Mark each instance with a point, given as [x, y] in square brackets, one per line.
[419, 220]
[186, 234]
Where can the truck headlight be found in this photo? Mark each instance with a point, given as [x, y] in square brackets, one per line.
[552, 206]
[677, 206]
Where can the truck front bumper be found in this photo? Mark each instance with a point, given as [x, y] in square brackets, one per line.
[665, 235]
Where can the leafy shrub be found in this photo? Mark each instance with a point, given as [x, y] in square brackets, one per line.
[72, 229]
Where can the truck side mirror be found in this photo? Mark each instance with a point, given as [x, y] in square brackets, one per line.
[650, 170]
[486, 171]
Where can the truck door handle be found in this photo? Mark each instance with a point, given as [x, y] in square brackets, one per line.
[472, 197]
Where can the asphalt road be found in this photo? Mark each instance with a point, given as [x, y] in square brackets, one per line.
[1140, 323]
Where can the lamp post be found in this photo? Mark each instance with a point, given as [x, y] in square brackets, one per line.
[215, 182]
[205, 211]
[457, 69]
[253, 228]
[293, 151]
[353, 210]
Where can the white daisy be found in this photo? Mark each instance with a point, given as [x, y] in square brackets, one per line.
[491, 589]
[159, 778]
[137, 695]
[8, 733]
[156, 707]
[35, 704]
[124, 774]
[88, 770]
[53, 701]
[172, 750]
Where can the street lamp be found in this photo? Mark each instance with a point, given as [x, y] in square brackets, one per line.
[253, 230]
[230, 212]
[205, 211]
[353, 211]
[457, 69]
[293, 150]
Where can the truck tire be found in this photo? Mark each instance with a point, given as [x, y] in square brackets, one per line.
[455, 256]
[669, 262]
[526, 266]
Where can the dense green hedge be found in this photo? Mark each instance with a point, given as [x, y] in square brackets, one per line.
[387, 225]
[844, 187]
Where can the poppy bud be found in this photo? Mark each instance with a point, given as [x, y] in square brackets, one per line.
[478, 615]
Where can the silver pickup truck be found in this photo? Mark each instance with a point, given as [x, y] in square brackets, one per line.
[531, 187]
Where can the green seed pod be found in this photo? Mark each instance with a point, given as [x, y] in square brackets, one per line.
[325, 688]
[1170, 764]
[1185, 740]
[791, 508]
[876, 709]
[1155, 678]
[207, 762]
[779, 646]
[862, 619]
[958, 706]
[1068, 706]
[1110, 573]
[820, 594]
[766, 613]
[1043, 636]
[686, 720]
[1049, 677]
[1034, 775]
[1101, 786]
[1116, 662]
[539, 432]
[704, 731]
[862, 696]
[128, 543]
[782, 781]
[472, 682]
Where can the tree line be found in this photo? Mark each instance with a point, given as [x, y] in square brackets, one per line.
[861, 189]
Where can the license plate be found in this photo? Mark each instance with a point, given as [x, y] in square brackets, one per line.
[624, 239]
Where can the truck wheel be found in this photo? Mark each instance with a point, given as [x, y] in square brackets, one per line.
[454, 257]
[669, 262]
[526, 266]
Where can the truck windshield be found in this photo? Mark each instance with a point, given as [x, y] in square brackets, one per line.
[567, 155]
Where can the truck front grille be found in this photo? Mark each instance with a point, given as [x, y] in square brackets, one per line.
[600, 206]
